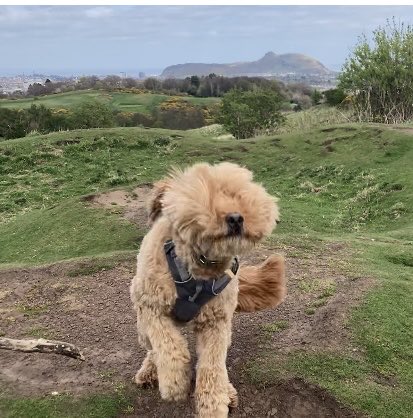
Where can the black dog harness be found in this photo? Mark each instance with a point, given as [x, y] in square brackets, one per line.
[192, 293]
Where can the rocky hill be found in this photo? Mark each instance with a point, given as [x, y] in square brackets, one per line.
[270, 64]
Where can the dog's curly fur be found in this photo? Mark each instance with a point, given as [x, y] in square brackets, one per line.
[190, 207]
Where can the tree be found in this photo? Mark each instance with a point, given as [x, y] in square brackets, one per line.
[36, 89]
[316, 97]
[152, 83]
[111, 82]
[39, 118]
[195, 81]
[378, 77]
[334, 97]
[92, 114]
[88, 82]
[12, 123]
[247, 113]
[129, 82]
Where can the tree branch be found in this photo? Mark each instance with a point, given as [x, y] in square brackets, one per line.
[41, 346]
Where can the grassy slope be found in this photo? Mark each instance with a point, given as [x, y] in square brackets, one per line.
[95, 406]
[352, 183]
[127, 102]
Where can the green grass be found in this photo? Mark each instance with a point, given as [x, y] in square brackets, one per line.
[65, 231]
[274, 327]
[378, 378]
[315, 117]
[126, 102]
[90, 269]
[325, 286]
[43, 177]
[31, 311]
[349, 183]
[64, 406]
[39, 332]
[323, 289]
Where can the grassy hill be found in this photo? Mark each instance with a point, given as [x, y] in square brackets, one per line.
[350, 184]
[127, 102]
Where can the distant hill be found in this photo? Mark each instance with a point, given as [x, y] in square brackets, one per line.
[270, 64]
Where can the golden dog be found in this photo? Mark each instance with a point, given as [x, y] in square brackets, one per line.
[210, 214]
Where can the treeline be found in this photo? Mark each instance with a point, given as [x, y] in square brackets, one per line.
[299, 95]
[205, 86]
[208, 86]
[174, 113]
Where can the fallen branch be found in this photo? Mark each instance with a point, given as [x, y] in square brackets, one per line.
[41, 346]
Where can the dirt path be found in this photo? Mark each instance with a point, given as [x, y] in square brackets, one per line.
[89, 306]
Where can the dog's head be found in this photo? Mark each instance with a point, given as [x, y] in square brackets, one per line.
[217, 210]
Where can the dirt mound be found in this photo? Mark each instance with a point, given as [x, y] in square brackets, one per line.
[131, 203]
[289, 399]
[292, 398]
[89, 305]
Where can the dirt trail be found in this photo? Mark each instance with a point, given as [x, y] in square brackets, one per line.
[88, 304]
[94, 312]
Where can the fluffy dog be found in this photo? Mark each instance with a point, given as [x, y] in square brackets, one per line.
[211, 214]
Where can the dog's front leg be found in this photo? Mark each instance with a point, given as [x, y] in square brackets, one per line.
[171, 356]
[213, 392]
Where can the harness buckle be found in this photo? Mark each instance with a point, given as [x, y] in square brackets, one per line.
[198, 290]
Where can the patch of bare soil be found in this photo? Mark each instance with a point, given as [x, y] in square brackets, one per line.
[132, 204]
[406, 129]
[95, 313]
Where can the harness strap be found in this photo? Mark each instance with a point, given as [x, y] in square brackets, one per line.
[192, 293]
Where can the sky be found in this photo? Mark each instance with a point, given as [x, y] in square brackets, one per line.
[113, 39]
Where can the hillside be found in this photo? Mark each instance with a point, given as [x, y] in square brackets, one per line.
[270, 64]
[71, 222]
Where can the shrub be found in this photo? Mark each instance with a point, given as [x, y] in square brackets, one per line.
[92, 114]
[248, 113]
[12, 123]
[334, 97]
[177, 113]
[379, 76]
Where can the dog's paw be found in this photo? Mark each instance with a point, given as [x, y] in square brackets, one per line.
[175, 394]
[233, 397]
[146, 378]
[220, 411]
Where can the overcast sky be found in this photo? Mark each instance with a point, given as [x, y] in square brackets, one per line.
[114, 39]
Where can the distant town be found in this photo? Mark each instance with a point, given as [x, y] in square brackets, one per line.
[20, 83]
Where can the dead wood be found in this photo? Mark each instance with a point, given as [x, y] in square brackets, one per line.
[41, 346]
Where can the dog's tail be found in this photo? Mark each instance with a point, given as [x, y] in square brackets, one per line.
[261, 286]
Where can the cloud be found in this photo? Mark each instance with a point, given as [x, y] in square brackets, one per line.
[164, 35]
[98, 12]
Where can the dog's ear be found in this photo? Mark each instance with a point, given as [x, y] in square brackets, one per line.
[155, 201]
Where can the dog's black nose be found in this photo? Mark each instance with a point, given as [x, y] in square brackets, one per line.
[235, 222]
[234, 219]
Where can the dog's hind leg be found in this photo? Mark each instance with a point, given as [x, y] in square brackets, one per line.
[147, 374]
[171, 355]
[213, 391]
